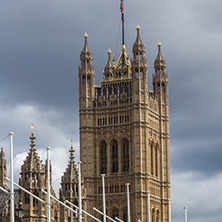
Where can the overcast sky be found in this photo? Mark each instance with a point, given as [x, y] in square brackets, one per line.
[40, 45]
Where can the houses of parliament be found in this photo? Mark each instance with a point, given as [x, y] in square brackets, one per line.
[124, 134]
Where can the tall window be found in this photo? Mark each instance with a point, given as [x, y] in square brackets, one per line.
[157, 161]
[125, 155]
[103, 149]
[114, 151]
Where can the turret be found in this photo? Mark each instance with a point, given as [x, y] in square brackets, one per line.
[69, 186]
[139, 64]
[3, 170]
[108, 71]
[86, 76]
[160, 77]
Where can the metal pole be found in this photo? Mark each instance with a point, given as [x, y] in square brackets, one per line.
[5, 191]
[48, 186]
[12, 200]
[169, 210]
[118, 219]
[104, 200]
[27, 191]
[102, 214]
[74, 211]
[128, 201]
[185, 213]
[148, 205]
[88, 214]
[80, 198]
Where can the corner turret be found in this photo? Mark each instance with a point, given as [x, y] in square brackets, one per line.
[160, 77]
[108, 71]
[86, 76]
[139, 64]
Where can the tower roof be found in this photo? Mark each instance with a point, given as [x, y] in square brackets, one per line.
[109, 66]
[123, 60]
[138, 44]
[32, 161]
[86, 53]
[71, 173]
[120, 71]
[160, 61]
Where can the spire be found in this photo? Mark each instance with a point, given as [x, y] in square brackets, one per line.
[86, 53]
[72, 157]
[32, 138]
[32, 160]
[108, 71]
[138, 45]
[160, 61]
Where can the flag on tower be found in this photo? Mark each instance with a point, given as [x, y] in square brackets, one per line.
[122, 10]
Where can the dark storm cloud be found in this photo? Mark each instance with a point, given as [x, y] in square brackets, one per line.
[203, 156]
[40, 45]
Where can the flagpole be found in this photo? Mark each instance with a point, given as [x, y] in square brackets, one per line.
[104, 200]
[185, 213]
[128, 201]
[80, 194]
[123, 33]
[122, 18]
[12, 196]
[48, 186]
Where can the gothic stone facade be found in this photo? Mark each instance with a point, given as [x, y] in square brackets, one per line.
[124, 134]
[34, 178]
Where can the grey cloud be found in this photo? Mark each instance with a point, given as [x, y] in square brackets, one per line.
[40, 45]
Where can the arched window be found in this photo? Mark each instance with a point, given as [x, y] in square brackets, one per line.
[114, 152]
[125, 155]
[103, 150]
[115, 213]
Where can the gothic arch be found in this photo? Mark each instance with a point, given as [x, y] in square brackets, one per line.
[124, 136]
[102, 138]
[113, 137]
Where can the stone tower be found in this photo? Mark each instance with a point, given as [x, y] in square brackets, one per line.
[124, 134]
[3, 170]
[34, 179]
[69, 188]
